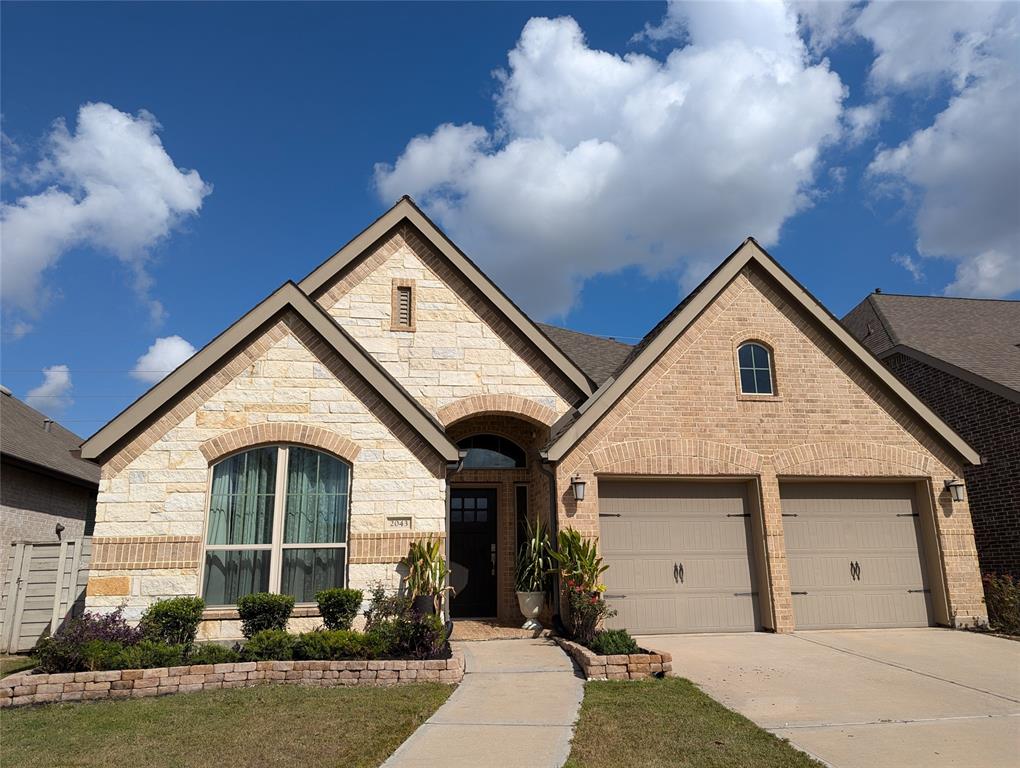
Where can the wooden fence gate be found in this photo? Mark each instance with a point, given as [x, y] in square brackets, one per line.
[44, 585]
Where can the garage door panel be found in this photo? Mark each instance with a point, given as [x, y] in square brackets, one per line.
[649, 530]
[828, 527]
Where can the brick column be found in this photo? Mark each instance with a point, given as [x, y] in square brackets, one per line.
[775, 544]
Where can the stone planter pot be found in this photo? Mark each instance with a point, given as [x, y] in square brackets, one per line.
[531, 604]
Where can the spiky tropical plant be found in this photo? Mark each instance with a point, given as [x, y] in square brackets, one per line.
[534, 563]
[426, 571]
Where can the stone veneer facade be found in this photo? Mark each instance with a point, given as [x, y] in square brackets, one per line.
[684, 417]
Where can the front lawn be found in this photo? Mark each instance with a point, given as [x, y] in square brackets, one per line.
[264, 725]
[670, 723]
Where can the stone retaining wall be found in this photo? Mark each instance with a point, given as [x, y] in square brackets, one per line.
[26, 688]
[632, 666]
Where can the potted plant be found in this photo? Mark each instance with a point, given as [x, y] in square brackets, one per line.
[426, 575]
[533, 567]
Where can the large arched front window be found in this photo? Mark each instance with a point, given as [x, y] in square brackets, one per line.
[277, 523]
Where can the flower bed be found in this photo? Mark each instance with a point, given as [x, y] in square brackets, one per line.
[26, 688]
[629, 666]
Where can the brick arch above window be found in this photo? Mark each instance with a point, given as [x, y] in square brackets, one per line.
[511, 405]
[851, 458]
[217, 447]
[672, 456]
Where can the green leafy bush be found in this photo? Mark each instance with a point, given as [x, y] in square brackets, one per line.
[338, 607]
[98, 655]
[269, 645]
[384, 607]
[174, 621]
[610, 642]
[212, 653]
[331, 645]
[262, 611]
[148, 654]
[587, 610]
[413, 636]
[1002, 597]
[63, 651]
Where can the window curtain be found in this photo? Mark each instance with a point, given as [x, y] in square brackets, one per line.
[316, 511]
[241, 503]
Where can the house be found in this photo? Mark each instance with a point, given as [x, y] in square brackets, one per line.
[47, 494]
[748, 465]
[961, 357]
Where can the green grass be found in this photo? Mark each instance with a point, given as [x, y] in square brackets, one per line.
[11, 664]
[670, 723]
[266, 725]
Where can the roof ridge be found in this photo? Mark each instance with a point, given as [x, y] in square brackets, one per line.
[599, 336]
[949, 298]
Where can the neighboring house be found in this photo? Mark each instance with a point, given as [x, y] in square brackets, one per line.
[46, 492]
[748, 465]
[961, 357]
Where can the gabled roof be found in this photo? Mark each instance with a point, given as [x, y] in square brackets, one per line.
[975, 339]
[597, 356]
[29, 437]
[406, 210]
[287, 296]
[660, 338]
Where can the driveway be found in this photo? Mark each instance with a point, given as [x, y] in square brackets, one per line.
[867, 698]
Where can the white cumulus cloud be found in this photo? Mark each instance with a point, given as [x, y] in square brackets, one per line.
[109, 185]
[54, 394]
[598, 162]
[963, 171]
[165, 354]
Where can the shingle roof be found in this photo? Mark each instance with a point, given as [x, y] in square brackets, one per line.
[598, 357]
[23, 436]
[978, 335]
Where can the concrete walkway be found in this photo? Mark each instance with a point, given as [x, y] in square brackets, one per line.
[867, 698]
[516, 707]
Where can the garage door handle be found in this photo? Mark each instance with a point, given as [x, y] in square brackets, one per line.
[614, 597]
[855, 571]
[798, 593]
[681, 574]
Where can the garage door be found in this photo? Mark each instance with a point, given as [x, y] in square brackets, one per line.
[678, 556]
[855, 555]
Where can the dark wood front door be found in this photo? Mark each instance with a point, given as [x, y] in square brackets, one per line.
[473, 551]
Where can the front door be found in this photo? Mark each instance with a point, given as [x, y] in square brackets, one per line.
[473, 551]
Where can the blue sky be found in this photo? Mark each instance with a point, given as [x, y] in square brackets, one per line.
[553, 166]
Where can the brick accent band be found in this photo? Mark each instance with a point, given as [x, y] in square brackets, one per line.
[512, 405]
[840, 458]
[384, 547]
[279, 432]
[127, 553]
[23, 689]
[665, 456]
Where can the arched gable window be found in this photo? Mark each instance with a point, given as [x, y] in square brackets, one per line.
[491, 452]
[755, 362]
[277, 523]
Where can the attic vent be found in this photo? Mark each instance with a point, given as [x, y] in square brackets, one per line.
[403, 306]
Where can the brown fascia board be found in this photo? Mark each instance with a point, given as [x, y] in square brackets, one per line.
[406, 208]
[704, 295]
[289, 295]
[953, 370]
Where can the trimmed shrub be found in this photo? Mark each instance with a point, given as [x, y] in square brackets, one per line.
[610, 642]
[414, 636]
[1002, 597]
[147, 654]
[269, 645]
[99, 655]
[262, 611]
[64, 650]
[338, 607]
[174, 621]
[332, 645]
[212, 653]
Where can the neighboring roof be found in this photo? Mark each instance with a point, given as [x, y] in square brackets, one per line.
[406, 210]
[660, 338]
[597, 356]
[978, 336]
[25, 438]
[287, 296]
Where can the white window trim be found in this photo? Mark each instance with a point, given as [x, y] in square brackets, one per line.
[277, 545]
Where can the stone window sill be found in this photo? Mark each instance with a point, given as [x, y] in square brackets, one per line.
[760, 398]
[230, 614]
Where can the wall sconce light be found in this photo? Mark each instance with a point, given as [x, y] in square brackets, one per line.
[577, 486]
[955, 488]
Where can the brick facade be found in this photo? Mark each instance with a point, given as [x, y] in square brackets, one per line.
[32, 504]
[991, 424]
[829, 418]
